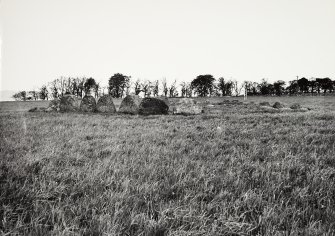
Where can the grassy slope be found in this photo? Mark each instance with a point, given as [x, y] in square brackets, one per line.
[235, 170]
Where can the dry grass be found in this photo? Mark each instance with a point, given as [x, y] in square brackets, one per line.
[233, 170]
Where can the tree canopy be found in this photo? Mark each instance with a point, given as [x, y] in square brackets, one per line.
[203, 85]
[89, 84]
[117, 84]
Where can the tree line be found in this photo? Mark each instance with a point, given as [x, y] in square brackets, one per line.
[120, 85]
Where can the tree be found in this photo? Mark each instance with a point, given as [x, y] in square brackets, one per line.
[312, 84]
[293, 88]
[325, 84]
[17, 96]
[58, 87]
[303, 84]
[89, 85]
[44, 92]
[103, 88]
[189, 90]
[279, 87]
[117, 84]
[216, 92]
[80, 88]
[173, 90]
[203, 85]
[137, 87]
[20, 96]
[254, 88]
[61, 86]
[229, 88]
[146, 88]
[225, 87]
[53, 89]
[271, 89]
[128, 85]
[69, 86]
[33, 95]
[266, 88]
[221, 86]
[237, 88]
[155, 88]
[165, 87]
[96, 89]
[183, 86]
[248, 87]
[23, 95]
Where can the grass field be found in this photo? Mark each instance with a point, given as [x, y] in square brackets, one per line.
[234, 170]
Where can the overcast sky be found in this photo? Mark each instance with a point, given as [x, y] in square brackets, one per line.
[177, 39]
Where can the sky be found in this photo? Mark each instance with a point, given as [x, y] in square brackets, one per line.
[42, 40]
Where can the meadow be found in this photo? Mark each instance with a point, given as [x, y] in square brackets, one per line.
[234, 170]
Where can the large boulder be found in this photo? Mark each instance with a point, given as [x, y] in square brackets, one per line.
[130, 104]
[69, 103]
[105, 104]
[164, 99]
[153, 106]
[88, 104]
[54, 105]
[265, 104]
[187, 106]
[278, 105]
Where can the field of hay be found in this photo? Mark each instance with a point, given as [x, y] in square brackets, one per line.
[236, 169]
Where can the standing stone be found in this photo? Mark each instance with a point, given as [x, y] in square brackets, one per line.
[88, 104]
[153, 106]
[187, 106]
[164, 99]
[265, 104]
[54, 105]
[278, 105]
[69, 103]
[105, 104]
[130, 104]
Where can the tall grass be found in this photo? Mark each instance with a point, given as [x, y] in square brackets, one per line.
[222, 173]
